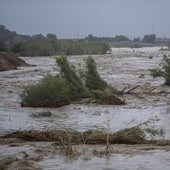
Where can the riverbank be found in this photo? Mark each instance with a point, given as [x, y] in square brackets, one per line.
[9, 61]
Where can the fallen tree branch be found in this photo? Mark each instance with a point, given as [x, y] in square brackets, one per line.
[132, 89]
[121, 92]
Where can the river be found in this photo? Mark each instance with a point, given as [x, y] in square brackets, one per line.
[125, 67]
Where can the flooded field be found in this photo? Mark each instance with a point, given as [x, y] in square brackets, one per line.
[124, 68]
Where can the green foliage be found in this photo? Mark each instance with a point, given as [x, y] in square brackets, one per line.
[37, 48]
[39, 45]
[52, 46]
[93, 80]
[100, 91]
[165, 71]
[131, 44]
[117, 38]
[81, 47]
[151, 38]
[51, 91]
[121, 38]
[51, 36]
[78, 90]
[55, 91]
[152, 132]
[130, 135]
[37, 37]
[103, 96]
[60, 90]
[156, 72]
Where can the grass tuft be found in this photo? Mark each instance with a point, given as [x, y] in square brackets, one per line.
[41, 114]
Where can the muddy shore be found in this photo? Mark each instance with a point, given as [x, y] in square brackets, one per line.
[9, 61]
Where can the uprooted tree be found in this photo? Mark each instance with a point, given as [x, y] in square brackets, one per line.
[59, 90]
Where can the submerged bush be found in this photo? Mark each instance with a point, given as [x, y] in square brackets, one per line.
[107, 96]
[100, 91]
[165, 71]
[156, 72]
[77, 88]
[93, 80]
[50, 91]
[56, 91]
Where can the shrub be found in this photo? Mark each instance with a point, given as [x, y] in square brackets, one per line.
[40, 47]
[156, 72]
[56, 91]
[100, 91]
[93, 80]
[107, 96]
[77, 88]
[165, 71]
[51, 91]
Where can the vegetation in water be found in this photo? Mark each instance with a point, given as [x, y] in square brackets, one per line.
[93, 81]
[164, 71]
[76, 86]
[51, 91]
[132, 135]
[59, 90]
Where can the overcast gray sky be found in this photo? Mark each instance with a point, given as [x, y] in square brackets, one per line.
[78, 18]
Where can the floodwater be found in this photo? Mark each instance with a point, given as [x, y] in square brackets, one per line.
[125, 67]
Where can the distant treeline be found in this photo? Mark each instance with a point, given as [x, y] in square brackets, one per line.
[150, 38]
[39, 45]
[48, 47]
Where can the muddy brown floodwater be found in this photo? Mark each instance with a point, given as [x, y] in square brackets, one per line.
[125, 67]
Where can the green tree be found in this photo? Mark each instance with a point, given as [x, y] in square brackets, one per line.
[121, 38]
[52, 36]
[137, 39]
[37, 37]
[37, 48]
[150, 38]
